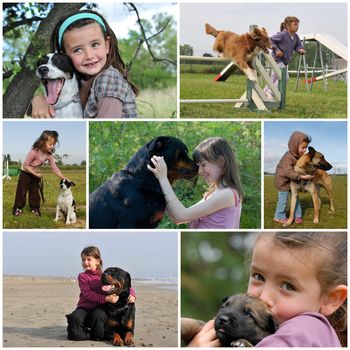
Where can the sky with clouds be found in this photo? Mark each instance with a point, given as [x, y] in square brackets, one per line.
[327, 18]
[328, 137]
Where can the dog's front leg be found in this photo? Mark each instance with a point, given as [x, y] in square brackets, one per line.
[317, 203]
[57, 213]
[250, 74]
[293, 203]
[69, 213]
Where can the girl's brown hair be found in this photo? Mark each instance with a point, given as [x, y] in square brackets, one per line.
[287, 21]
[113, 58]
[330, 252]
[217, 150]
[43, 138]
[93, 252]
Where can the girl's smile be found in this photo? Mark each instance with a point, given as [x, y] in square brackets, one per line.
[210, 171]
[87, 48]
[89, 263]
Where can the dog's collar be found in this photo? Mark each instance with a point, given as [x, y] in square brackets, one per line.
[75, 99]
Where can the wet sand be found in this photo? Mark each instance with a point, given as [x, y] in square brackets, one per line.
[34, 310]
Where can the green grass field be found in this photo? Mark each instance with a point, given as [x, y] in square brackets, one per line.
[337, 220]
[48, 209]
[300, 104]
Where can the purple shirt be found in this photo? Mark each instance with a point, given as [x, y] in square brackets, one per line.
[91, 294]
[309, 329]
[284, 42]
[221, 219]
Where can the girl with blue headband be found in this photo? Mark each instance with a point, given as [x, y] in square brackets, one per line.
[90, 43]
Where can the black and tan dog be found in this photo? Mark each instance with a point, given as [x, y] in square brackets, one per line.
[311, 163]
[121, 315]
[242, 321]
[132, 197]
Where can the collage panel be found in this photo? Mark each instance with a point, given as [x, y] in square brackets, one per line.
[305, 174]
[248, 60]
[97, 60]
[267, 289]
[46, 299]
[124, 193]
[44, 181]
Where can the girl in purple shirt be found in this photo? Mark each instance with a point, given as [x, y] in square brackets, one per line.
[302, 276]
[30, 176]
[88, 320]
[221, 205]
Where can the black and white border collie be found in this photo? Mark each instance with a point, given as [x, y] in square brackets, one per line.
[61, 85]
[66, 206]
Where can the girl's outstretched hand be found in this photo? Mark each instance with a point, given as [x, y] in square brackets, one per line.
[41, 109]
[160, 169]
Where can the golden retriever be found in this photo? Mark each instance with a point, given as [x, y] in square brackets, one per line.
[241, 49]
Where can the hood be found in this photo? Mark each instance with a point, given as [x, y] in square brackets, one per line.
[294, 141]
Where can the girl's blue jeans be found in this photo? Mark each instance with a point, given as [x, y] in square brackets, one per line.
[281, 207]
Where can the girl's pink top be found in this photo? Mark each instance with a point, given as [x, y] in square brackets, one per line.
[35, 158]
[221, 219]
[91, 294]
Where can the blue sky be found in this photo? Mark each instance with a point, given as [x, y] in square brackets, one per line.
[19, 136]
[57, 254]
[329, 137]
[326, 18]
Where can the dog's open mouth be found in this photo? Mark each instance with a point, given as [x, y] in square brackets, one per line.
[53, 89]
[108, 288]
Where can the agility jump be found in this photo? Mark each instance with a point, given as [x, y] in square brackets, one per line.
[254, 96]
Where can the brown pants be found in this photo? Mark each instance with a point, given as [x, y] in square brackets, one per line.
[27, 182]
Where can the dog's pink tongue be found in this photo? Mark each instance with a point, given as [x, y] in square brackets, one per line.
[52, 89]
[107, 288]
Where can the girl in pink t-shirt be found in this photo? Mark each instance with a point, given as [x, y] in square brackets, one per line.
[302, 277]
[221, 205]
[30, 176]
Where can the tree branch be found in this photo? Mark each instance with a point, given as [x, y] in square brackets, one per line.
[24, 21]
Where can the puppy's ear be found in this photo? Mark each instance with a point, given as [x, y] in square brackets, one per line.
[224, 299]
[256, 34]
[272, 325]
[72, 183]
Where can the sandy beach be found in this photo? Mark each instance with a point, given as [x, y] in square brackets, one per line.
[34, 310]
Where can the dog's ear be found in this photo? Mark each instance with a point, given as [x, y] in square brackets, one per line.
[256, 34]
[312, 152]
[72, 183]
[224, 299]
[128, 277]
[272, 325]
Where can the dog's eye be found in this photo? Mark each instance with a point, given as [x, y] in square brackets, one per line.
[246, 313]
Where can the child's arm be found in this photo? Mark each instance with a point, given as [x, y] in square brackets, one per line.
[89, 294]
[275, 40]
[41, 109]
[206, 337]
[109, 107]
[179, 213]
[299, 46]
[26, 164]
[55, 168]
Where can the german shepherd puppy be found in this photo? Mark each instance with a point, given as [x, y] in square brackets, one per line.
[242, 321]
[315, 164]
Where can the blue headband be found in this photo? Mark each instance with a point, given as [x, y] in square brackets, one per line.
[77, 17]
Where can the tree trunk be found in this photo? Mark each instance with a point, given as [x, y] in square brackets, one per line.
[21, 90]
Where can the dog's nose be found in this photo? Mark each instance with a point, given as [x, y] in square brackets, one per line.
[223, 319]
[43, 70]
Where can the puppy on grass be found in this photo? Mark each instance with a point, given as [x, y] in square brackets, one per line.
[242, 321]
[241, 49]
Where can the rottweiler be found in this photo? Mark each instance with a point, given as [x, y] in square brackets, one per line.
[242, 321]
[121, 315]
[313, 163]
[132, 197]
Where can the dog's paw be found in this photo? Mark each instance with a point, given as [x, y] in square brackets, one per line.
[287, 224]
[241, 343]
[55, 220]
[315, 221]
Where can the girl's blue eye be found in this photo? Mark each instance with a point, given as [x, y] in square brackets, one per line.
[288, 286]
[258, 277]
[77, 50]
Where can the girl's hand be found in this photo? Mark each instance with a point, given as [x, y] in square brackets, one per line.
[301, 52]
[307, 177]
[160, 169]
[206, 337]
[279, 53]
[113, 298]
[41, 109]
[131, 299]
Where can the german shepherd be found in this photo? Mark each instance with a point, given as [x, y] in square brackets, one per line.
[242, 321]
[315, 164]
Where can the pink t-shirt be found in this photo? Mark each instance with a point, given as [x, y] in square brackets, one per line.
[35, 158]
[221, 219]
[309, 329]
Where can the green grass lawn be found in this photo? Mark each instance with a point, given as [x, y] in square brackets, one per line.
[337, 220]
[299, 104]
[48, 209]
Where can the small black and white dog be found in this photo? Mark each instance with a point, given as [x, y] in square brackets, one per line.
[66, 207]
[61, 85]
